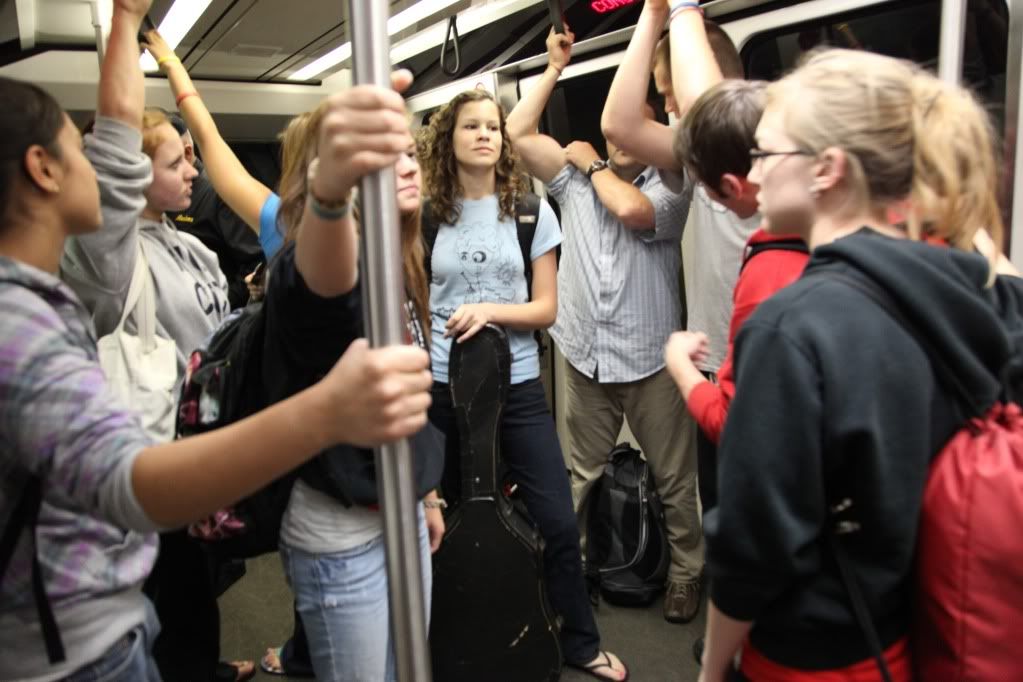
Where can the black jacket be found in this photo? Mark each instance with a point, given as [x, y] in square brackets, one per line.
[306, 334]
[836, 398]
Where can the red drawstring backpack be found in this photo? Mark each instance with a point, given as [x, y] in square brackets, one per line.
[970, 554]
[969, 569]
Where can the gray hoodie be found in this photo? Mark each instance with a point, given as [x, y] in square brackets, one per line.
[191, 291]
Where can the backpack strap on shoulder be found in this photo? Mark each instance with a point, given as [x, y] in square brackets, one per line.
[797, 245]
[26, 515]
[527, 214]
[429, 228]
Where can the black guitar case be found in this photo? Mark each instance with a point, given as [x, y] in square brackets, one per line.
[491, 619]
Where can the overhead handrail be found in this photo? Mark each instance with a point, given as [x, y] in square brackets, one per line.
[381, 271]
[452, 29]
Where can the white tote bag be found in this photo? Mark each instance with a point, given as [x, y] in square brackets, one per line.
[142, 369]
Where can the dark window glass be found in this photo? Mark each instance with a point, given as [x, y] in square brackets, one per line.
[907, 30]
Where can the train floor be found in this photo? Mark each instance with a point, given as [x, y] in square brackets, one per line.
[256, 613]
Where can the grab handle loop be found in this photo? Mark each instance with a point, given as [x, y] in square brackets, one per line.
[452, 31]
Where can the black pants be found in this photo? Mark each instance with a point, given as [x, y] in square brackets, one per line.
[707, 471]
[707, 466]
[184, 594]
[532, 457]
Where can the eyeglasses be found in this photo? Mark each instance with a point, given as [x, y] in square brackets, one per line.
[759, 154]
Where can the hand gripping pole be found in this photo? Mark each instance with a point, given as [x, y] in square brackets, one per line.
[384, 293]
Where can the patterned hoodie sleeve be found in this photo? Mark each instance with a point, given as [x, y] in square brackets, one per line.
[58, 418]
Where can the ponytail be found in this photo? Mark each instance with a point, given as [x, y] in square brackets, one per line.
[954, 167]
[910, 140]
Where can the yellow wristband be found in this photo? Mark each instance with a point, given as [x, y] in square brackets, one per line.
[170, 58]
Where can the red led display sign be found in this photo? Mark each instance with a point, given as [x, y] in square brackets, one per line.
[605, 6]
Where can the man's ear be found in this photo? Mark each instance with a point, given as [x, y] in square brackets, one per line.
[732, 186]
[42, 169]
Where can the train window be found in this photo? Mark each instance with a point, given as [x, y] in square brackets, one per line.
[907, 30]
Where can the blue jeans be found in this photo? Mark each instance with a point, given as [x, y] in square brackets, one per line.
[129, 660]
[342, 599]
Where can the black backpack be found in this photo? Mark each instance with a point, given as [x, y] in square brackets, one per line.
[527, 213]
[223, 383]
[627, 554]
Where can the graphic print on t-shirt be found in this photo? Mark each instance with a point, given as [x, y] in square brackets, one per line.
[489, 273]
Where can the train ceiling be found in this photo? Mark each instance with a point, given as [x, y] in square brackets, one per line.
[278, 40]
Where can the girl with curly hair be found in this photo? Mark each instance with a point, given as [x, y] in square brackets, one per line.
[474, 181]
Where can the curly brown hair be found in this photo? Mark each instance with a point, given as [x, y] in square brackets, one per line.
[440, 168]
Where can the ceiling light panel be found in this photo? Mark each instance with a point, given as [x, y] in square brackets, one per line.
[399, 22]
[175, 26]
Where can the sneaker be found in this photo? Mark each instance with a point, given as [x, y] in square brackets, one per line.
[682, 602]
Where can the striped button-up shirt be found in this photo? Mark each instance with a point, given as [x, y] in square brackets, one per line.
[618, 297]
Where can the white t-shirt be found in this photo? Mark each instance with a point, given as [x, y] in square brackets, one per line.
[478, 260]
[716, 241]
[318, 524]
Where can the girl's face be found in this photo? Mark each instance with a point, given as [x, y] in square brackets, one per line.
[79, 189]
[410, 181]
[172, 174]
[477, 136]
[785, 178]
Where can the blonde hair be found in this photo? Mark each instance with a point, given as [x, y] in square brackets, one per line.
[153, 135]
[906, 136]
[298, 149]
[440, 168]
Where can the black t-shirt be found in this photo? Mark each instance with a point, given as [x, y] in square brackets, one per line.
[210, 220]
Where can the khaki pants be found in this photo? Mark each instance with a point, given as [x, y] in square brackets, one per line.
[666, 434]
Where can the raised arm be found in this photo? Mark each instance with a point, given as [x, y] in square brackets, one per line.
[99, 265]
[232, 182]
[121, 83]
[364, 129]
[541, 154]
[624, 122]
[694, 70]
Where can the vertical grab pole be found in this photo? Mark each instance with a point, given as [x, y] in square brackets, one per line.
[951, 40]
[384, 295]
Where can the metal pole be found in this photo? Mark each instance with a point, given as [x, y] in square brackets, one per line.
[953, 28]
[384, 294]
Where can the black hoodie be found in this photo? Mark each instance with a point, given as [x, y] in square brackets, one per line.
[835, 398]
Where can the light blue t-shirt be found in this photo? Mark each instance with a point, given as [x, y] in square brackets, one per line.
[478, 260]
[270, 237]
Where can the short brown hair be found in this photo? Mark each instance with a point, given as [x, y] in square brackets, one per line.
[721, 45]
[718, 131]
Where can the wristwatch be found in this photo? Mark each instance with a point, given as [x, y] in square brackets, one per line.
[597, 165]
